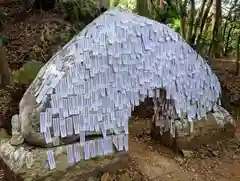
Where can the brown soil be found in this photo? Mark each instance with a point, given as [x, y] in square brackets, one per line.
[152, 161]
[27, 32]
[225, 69]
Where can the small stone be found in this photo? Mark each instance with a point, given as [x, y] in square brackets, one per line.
[187, 153]
[17, 139]
[125, 177]
[3, 133]
[92, 179]
[106, 177]
[179, 160]
[138, 176]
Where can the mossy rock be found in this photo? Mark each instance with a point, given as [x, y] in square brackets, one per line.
[26, 74]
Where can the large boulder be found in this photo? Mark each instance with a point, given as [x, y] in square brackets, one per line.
[26, 163]
[87, 90]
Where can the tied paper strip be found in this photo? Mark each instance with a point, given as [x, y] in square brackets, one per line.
[115, 142]
[51, 160]
[86, 151]
[120, 142]
[49, 117]
[69, 125]
[76, 124]
[70, 155]
[42, 122]
[47, 135]
[76, 151]
[103, 129]
[100, 147]
[92, 148]
[125, 142]
[63, 130]
[82, 138]
[56, 141]
[56, 128]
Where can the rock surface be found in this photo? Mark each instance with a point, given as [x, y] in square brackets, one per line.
[215, 127]
[127, 29]
[30, 163]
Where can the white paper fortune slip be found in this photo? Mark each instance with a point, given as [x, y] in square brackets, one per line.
[56, 128]
[76, 152]
[47, 135]
[70, 155]
[105, 146]
[100, 147]
[51, 160]
[56, 141]
[69, 126]
[120, 142]
[63, 130]
[125, 142]
[115, 142]
[82, 138]
[76, 124]
[49, 117]
[86, 151]
[93, 148]
[42, 122]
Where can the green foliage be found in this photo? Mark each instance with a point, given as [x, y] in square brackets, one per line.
[3, 17]
[166, 16]
[127, 5]
[78, 10]
[3, 40]
[176, 25]
[113, 3]
[26, 74]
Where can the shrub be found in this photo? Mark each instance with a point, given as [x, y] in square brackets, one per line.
[78, 10]
[3, 17]
[27, 73]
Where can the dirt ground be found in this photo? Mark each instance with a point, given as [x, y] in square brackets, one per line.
[220, 161]
[148, 160]
[32, 35]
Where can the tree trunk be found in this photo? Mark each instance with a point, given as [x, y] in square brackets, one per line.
[183, 15]
[229, 17]
[227, 40]
[161, 5]
[104, 4]
[150, 8]
[5, 75]
[198, 19]
[203, 21]
[238, 57]
[215, 47]
[142, 8]
[201, 45]
[191, 22]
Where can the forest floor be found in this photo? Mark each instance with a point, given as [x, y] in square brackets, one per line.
[215, 162]
[148, 160]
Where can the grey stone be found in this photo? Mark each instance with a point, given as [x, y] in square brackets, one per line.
[106, 70]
